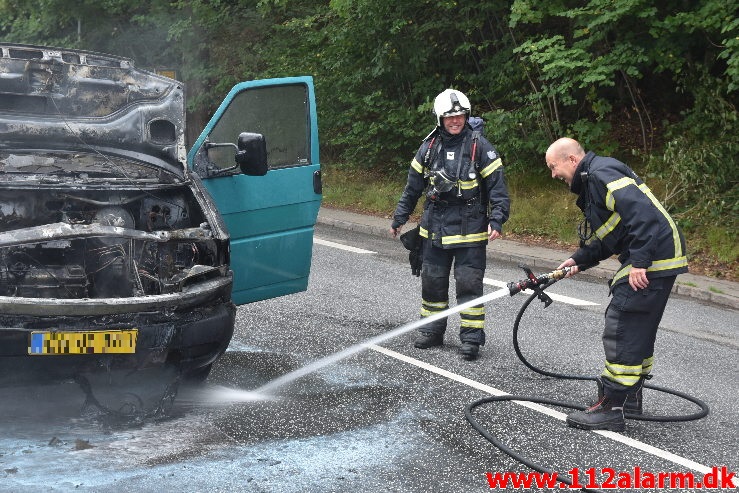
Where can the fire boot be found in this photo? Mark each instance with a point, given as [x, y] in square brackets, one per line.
[469, 350]
[429, 339]
[606, 414]
[633, 403]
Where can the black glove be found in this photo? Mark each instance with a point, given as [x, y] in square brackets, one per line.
[415, 257]
[414, 243]
[411, 238]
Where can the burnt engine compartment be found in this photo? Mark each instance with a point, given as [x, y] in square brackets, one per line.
[105, 266]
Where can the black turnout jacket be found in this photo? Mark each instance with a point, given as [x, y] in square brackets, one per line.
[479, 196]
[627, 220]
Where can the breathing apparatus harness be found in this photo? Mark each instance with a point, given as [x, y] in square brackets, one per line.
[438, 179]
[538, 284]
[585, 229]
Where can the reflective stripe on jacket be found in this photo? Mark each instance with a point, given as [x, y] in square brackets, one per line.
[460, 217]
[627, 220]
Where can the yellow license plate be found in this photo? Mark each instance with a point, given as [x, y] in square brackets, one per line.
[93, 342]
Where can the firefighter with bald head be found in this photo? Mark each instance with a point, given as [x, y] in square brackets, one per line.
[621, 217]
[460, 174]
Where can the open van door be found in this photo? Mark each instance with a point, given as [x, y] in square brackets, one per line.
[270, 218]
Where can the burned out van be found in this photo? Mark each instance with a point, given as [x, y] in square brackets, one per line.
[120, 251]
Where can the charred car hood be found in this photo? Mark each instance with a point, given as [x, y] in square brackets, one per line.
[56, 98]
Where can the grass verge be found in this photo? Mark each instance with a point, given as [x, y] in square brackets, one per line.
[542, 212]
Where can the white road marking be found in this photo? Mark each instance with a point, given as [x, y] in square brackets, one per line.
[497, 392]
[554, 296]
[544, 410]
[340, 246]
[492, 282]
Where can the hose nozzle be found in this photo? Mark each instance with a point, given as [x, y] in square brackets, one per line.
[535, 282]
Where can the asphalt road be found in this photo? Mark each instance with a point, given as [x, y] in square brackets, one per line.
[387, 416]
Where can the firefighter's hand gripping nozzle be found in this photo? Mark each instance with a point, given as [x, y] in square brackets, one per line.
[537, 283]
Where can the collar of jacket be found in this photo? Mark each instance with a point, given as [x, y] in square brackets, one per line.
[452, 140]
[582, 166]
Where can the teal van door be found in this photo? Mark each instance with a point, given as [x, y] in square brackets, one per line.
[270, 218]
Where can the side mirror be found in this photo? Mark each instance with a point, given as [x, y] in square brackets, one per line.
[252, 154]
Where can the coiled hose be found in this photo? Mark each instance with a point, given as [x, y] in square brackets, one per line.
[468, 411]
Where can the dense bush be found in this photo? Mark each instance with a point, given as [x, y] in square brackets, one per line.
[647, 81]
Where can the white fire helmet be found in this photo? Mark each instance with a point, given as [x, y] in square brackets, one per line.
[449, 103]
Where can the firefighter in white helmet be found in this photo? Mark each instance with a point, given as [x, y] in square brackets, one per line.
[461, 175]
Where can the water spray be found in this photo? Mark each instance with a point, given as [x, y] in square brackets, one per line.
[266, 391]
[532, 282]
[273, 385]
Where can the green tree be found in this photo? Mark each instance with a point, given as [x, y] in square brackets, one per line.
[121, 27]
[603, 67]
[645, 80]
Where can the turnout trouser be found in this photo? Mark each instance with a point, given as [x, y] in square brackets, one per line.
[631, 323]
[469, 269]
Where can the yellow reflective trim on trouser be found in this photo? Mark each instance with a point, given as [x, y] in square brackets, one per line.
[417, 166]
[441, 305]
[488, 170]
[646, 365]
[623, 369]
[456, 239]
[474, 311]
[472, 324]
[473, 317]
[429, 308]
[657, 265]
[626, 380]
[626, 375]
[608, 226]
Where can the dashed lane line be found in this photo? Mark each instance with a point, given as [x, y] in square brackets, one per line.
[491, 282]
[531, 405]
[340, 246]
[664, 454]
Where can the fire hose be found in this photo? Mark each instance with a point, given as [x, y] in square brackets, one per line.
[538, 284]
